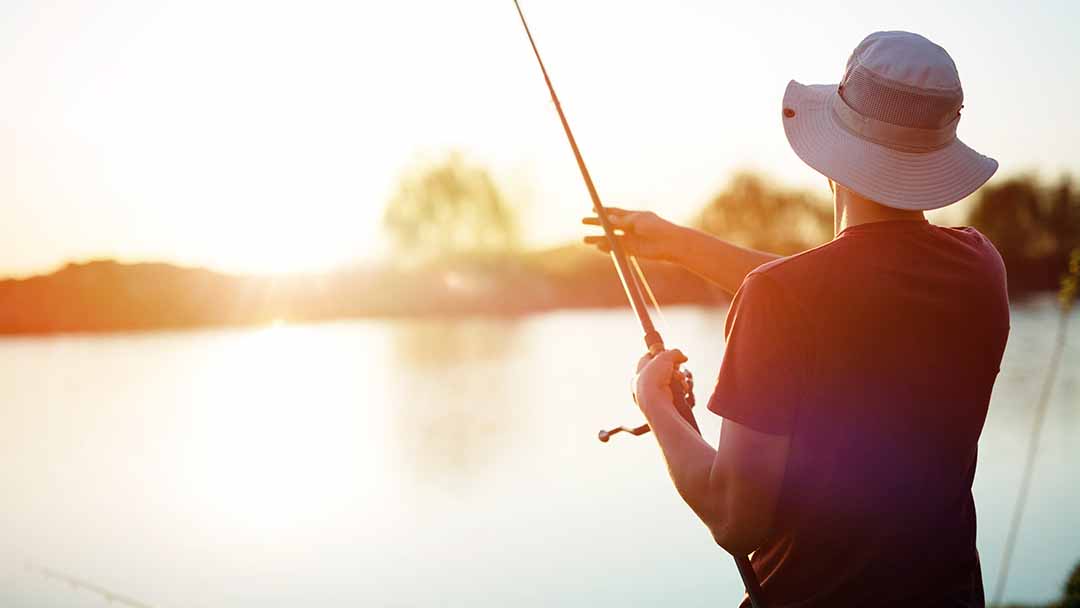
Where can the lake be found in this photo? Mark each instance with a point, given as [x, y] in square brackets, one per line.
[398, 464]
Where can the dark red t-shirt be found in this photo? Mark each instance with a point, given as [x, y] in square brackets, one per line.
[876, 354]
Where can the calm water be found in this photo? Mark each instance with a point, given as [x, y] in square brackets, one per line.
[416, 464]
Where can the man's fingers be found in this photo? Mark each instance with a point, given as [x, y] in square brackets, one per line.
[628, 241]
[619, 218]
[683, 383]
[600, 242]
[616, 222]
[673, 357]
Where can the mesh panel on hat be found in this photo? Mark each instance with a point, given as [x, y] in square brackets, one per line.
[872, 96]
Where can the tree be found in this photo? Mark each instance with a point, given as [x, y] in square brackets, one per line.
[750, 213]
[450, 208]
[1033, 226]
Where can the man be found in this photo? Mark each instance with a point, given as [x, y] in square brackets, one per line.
[857, 375]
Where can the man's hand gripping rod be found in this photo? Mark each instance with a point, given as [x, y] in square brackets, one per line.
[634, 284]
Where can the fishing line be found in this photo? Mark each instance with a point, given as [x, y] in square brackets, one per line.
[1068, 291]
[648, 290]
[625, 286]
[77, 584]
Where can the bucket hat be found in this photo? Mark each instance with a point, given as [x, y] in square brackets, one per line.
[888, 130]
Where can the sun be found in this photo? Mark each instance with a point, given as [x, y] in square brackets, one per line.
[278, 250]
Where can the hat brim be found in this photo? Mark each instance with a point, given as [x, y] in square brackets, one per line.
[903, 180]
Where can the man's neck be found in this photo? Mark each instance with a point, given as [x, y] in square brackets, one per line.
[850, 209]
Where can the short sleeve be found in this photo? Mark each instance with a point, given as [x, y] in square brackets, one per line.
[762, 377]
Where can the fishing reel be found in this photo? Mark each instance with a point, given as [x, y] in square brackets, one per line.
[682, 391]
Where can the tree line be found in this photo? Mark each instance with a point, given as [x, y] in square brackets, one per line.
[459, 253]
[455, 209]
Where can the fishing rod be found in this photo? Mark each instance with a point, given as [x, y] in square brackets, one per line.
[629, 271]
[636, 287]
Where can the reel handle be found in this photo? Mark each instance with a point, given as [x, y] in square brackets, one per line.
[683, 402]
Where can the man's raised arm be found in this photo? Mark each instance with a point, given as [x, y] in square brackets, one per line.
[649, 236]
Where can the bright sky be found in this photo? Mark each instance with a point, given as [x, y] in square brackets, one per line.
[264, 136]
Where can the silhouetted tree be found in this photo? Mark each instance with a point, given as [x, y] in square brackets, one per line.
[450, 208]
[1033, 226]
[1071, 597]
[752, 214]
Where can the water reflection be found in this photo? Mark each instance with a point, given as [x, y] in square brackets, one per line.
[441, 342]
[280, 418]
[455, 411]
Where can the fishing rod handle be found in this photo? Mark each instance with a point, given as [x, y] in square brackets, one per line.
[653, 342]
[749, 578]
[684, 399]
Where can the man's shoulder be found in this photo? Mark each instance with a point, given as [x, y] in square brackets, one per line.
[981, 252]
[791, 269]
[790, 283]
[972, 237]
[788, 268]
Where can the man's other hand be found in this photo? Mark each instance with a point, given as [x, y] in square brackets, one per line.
[641, 233]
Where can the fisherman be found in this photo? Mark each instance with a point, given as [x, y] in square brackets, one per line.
[856, 375]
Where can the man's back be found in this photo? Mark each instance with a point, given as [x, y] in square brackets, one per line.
[876, 353]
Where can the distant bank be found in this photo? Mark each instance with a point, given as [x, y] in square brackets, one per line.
[107, 296]
[1034, 225]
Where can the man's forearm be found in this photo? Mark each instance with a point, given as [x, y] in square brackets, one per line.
[717, 260]
[688, 456]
